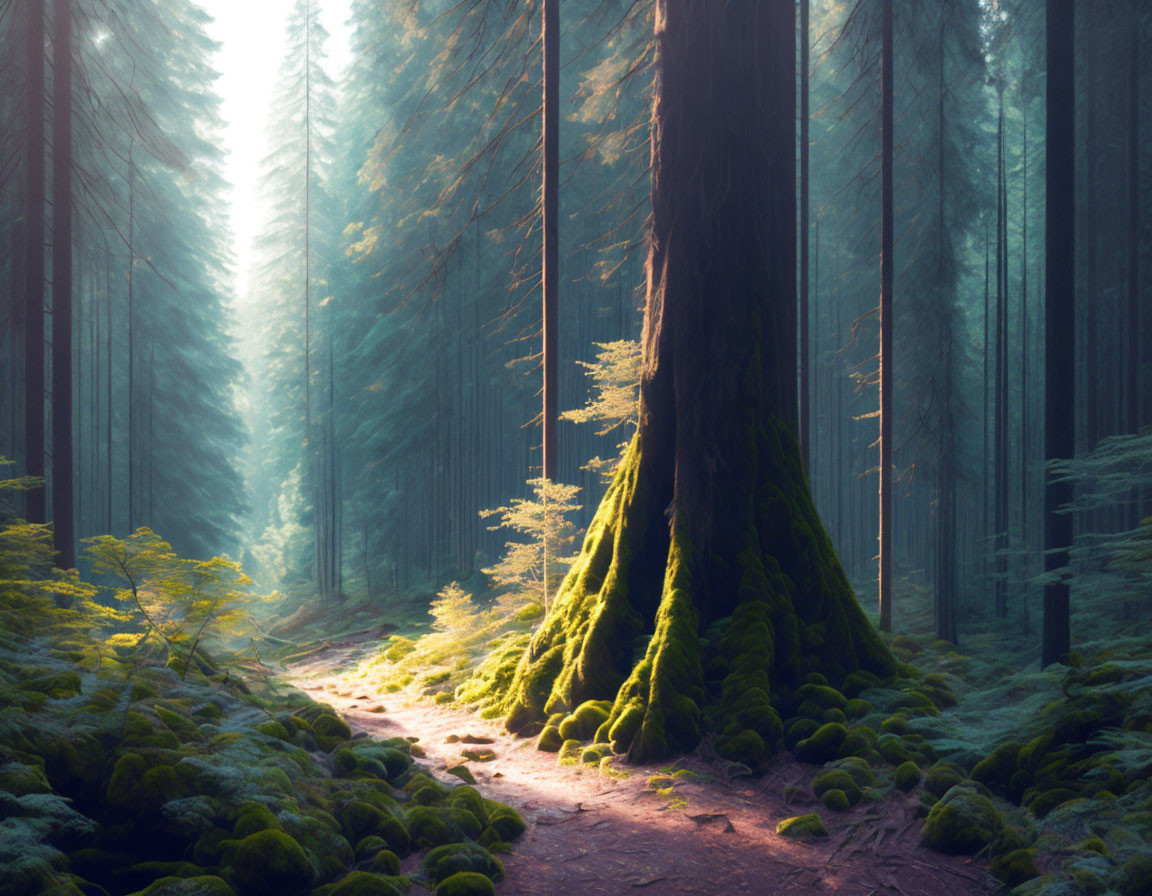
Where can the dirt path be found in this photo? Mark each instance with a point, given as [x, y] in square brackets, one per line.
[596, 836]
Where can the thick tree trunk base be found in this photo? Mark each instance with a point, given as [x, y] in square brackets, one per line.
[683, 660]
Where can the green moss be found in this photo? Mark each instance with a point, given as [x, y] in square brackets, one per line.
[200, 885]
[824, 744]
[940, 779]
[435, 826]
[1047, 800]
[822, 695]
[398, 648]
[19, 779]
[1135, 877]
[962, 822]
[272, 728]
[463, 773]
[895, 724]
[469, 798]
[594, 754]
[385, 862]
[837, 779]
[1015, 867]
[798, 730]
[907, 775]
[802, 826]
[331, 726]
[359, 819]
[466, 884]
[859, 681]
[369, 846]
[836, 800]
[270, 863]
[507, 823]
[746, 747]
[996, 770]
[453, 858]
[587, 718]
[570, 752]
[367, 883]
[859, 770]
[857, 708]
[893, 749]
[254, 817]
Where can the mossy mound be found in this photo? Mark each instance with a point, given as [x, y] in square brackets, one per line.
[445, 861]
[466, 884]
[802, 826]
[269, 863]
[907, 775]
[201, 885]
[365, 883]
[1015, 867]
[962, 822]
[583, 723]
[825, 743]
[837, 779]
[942, 778]
[836, 800]
[859, 770]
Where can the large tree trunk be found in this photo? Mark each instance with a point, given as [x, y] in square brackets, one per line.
[1059, 316]
[706, 587]
[805, 310]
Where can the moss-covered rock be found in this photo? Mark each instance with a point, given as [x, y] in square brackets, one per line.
[942, 778]
[200, 885]
[802, 826]
[385, 862]
[836, 800]
[56, 685]
[860, 771]
[799, 729]
[550, 739]
[997, 769]
[360, 818]
[434, 826]
[466, 883]
[824, 744]
[746, 747]
[962, 822]
[907, 775]
[251, 818]
[330, 725]
[506, 822]
[822, 695]
[452, 858]
[1015, 867]
[837, 779]
[856, 708]
[270, 863]
[367, 883]
[469, 798]
[1135, 876]
[19, 779]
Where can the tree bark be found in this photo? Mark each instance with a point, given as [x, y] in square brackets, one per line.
[551, 204]
[709, 524]
[63, 520]
[1059, 316]
[34, 215]
[886, 321]
[805, 359]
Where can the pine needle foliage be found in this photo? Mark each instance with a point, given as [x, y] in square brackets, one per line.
[531, 570]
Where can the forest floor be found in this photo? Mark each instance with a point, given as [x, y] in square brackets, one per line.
[645, 830]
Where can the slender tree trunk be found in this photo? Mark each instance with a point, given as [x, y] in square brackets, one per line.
[63, 512]
[34, 214]
[131, 397]
[1000, 434]
[1059, 316]
[886, 324]
[550, 143]
[805, 360]
[1132, 390]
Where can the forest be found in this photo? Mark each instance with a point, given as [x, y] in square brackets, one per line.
[473, 447]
